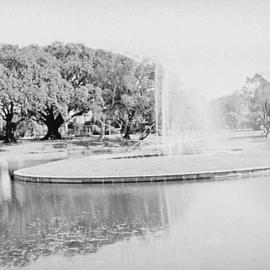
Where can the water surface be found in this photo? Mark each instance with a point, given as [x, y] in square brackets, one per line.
[194, 225]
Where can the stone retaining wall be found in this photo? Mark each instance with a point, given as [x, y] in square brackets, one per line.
[210, 175]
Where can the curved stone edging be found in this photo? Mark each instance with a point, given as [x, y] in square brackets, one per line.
[204, 175]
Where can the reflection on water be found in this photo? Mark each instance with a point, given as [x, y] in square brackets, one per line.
[41, 219]
[195, 225]
[5, 184]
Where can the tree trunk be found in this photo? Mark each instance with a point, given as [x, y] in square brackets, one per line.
[129, 125]
[102, 130]
[128, 131]
[53, 125]
[10, 131]
[53, 132]
[10, 126]
[113, 97]
[145, 133]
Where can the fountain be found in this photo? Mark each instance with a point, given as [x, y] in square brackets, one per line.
[182, 116]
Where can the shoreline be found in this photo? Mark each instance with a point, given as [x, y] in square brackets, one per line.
[118, 169]
[232, 155]
[196, 176]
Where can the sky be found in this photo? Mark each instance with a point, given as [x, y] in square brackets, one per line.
[213, 45]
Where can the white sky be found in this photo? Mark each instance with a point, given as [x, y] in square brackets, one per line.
[213, 44]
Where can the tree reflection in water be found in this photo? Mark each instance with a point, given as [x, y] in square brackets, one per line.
[41, 219]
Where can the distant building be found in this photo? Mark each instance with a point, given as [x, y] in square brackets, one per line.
[80, 125]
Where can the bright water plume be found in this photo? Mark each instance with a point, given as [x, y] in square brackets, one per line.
[182, 115]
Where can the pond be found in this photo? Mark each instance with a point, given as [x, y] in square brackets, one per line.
[194, 225]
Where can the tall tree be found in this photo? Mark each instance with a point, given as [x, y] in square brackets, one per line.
[52, 98]
[232, 111]
[137, 99]
[257, 92]
[60, 81]
[13, 84]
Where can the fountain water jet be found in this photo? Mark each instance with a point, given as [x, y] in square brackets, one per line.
[182, 116]
[166, 107]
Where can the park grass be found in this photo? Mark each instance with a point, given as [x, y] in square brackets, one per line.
[232, 151]
[29, 148]
[90, 146]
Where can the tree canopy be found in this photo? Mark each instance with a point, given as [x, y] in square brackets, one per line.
[55, 83]
[257, 94]
[246, 108]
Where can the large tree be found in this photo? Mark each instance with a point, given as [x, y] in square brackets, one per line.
[137, 99]
[14, 80]
[126, 85]
[56, 102]
[232, 111]
[57, 82]
[55, 94]
[257, 93]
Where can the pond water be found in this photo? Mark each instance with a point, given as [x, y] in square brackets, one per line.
[194, 225]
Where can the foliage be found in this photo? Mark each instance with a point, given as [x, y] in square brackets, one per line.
[58, 82]
[257, 93]
[247, 108]
[232, 111]
[13, 82]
